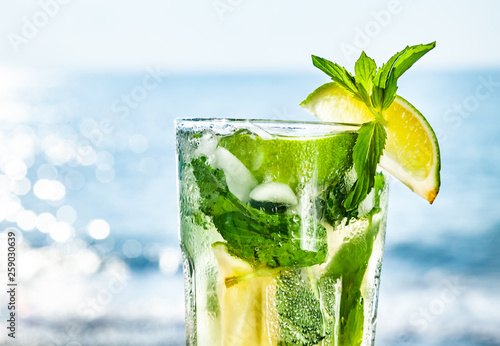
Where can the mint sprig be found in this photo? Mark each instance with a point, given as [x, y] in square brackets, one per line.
[377, 89]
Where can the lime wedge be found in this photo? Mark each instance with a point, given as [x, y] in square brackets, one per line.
[293, 160]
[411, 153]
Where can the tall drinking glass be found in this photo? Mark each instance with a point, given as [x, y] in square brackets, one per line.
[271, 255]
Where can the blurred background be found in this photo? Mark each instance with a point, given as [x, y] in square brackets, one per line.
[88, 94]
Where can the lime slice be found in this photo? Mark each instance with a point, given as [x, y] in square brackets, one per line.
[411, 153]
[248, 311]
[293, 160]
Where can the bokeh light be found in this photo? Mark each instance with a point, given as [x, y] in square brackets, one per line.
[67, 214]
[132, 248]
[61, 232]
[57, 150]
[45, 222]
[14, 167]
[86, 155]
[11, 206]
[170, 260]
[98, 229]
[152, 252]
[52, 190]
[104, 160]
[105, 175]
[27, 220]
[21, 187]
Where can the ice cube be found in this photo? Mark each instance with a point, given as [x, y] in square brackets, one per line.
[240, 180]
[259, 131]
[274, 192]
[207, 146]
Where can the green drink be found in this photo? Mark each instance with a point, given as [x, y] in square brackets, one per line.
[271, 254]
[282, 224]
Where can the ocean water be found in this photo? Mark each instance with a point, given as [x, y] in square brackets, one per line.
[88, 180]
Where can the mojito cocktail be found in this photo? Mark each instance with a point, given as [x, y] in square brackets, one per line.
[271, 255]
[282, 224]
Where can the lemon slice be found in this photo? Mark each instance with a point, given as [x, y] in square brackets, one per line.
[248, 312]
[411, 152]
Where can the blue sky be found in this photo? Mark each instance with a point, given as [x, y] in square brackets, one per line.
[243, 35]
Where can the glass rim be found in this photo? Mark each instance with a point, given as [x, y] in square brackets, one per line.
[277, 122]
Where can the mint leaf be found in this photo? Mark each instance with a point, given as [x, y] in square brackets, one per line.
[366, 156]
[389, 93]
[377, 96]
[387, 76]
[299, 310]
[365, 69]
[330, 204]
[339, 74]
[253, 235]
[216, 198]
[273, 240]
[383, 72]
[381, 83]
[409, 56]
